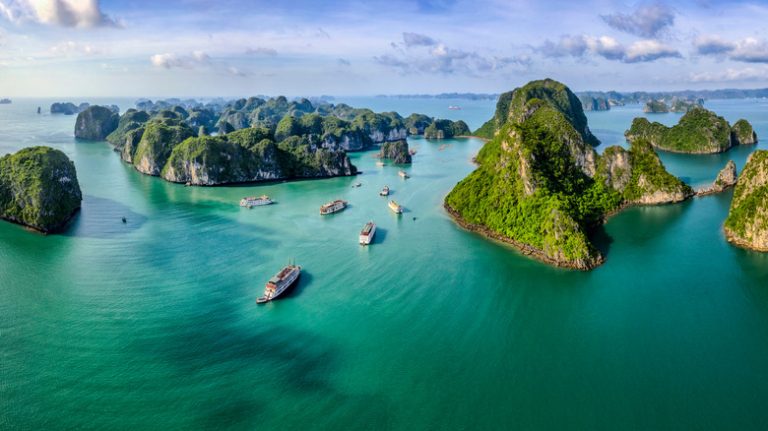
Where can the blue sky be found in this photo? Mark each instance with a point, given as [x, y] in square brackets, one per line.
[234, 48]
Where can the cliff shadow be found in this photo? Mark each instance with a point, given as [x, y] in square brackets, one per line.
[601, 239]
[380, 237]
[103, 218]
[298, 288]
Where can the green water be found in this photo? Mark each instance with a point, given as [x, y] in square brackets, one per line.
[153, 324]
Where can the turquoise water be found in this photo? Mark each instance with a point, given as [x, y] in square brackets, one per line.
[153, 324]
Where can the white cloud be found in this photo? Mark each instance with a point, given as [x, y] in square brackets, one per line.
[645, 21]
[747, 50]
[73, 48]
[64, 13]
[173, 61]
[260, 50]
[649, 50]
[729, 75]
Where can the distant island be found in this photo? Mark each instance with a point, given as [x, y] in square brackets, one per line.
[747, 222]
[39, 189]
[5, 101]
[699, 131]
[254, 139]
[542, 187]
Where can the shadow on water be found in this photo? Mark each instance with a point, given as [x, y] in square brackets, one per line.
[298, 288]
[102, 218]
[380, 237]
[601, 239]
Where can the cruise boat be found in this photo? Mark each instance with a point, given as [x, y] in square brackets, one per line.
[333, 207]
[366, 235]
[379, 163]
[384, 191]
[403, 174]
[253, 201]
[394, 206]
[280, 283]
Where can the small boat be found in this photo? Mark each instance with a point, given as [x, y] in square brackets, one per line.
[124, 220]
[412, 152]
[366, 235]
[253, 201]
[403, 174]
[188, 184]
[357, 185]
[333, 207]
[394, 206]
[379, 163]
[384, 191]
[280, 283]
[454, 108]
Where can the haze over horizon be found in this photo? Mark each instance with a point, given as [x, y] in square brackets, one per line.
[91, 48]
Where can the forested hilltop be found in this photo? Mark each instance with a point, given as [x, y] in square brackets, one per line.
[541, 186]
[252, 139]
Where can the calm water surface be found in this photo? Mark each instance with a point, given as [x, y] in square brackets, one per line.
[153, 324]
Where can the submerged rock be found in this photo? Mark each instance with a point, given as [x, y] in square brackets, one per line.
[39, 188]
[96, 123]
[747, 222]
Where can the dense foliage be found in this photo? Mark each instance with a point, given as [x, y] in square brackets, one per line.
[699, 131]
[38, 188]
[747, 222]
[540, 184]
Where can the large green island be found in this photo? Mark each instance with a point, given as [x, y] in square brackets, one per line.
[699, 131]
[39, 189]
[542, 187]
[747, 222]
[255, 139]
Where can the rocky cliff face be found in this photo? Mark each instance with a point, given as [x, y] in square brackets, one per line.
[67, 108]
[742, 133]
[726, 177]
[96, 123]
[540, 185]
[655, 107]
[589, 103]
[156, 144]
[699, 131]
[396, 151]
[747, 222]
[39, 189]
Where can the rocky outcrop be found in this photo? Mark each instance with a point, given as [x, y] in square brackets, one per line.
[96, 123]
[589, 103]
[655, 107]
[247, 156]
[39, 189]
[66, 108]
[396, 151]
[726, 178]
[747, 222]
[157, 142]
[742, 133]
[541, 186]
[446, 129]
[699, 131]
[640, 177]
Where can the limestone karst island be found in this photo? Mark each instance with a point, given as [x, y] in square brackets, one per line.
[383, 215]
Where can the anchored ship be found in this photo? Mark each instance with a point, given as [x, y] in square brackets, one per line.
[394, 206]
[280, 283]
[403, 174]
[333, 207]
[366, 235]
[253, 201]
[384, 191]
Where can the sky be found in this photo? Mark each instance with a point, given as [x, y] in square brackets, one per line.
[229, 48]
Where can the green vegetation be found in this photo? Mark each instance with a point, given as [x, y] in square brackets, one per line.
[446, 129]
[699, 131]
[541, 186]
[747, 222]
[743, 133]
[38, 188]
[396, 151]
[157, 142]
[656, 107]
[95, 123]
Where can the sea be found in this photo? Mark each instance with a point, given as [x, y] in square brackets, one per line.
[153, 324]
